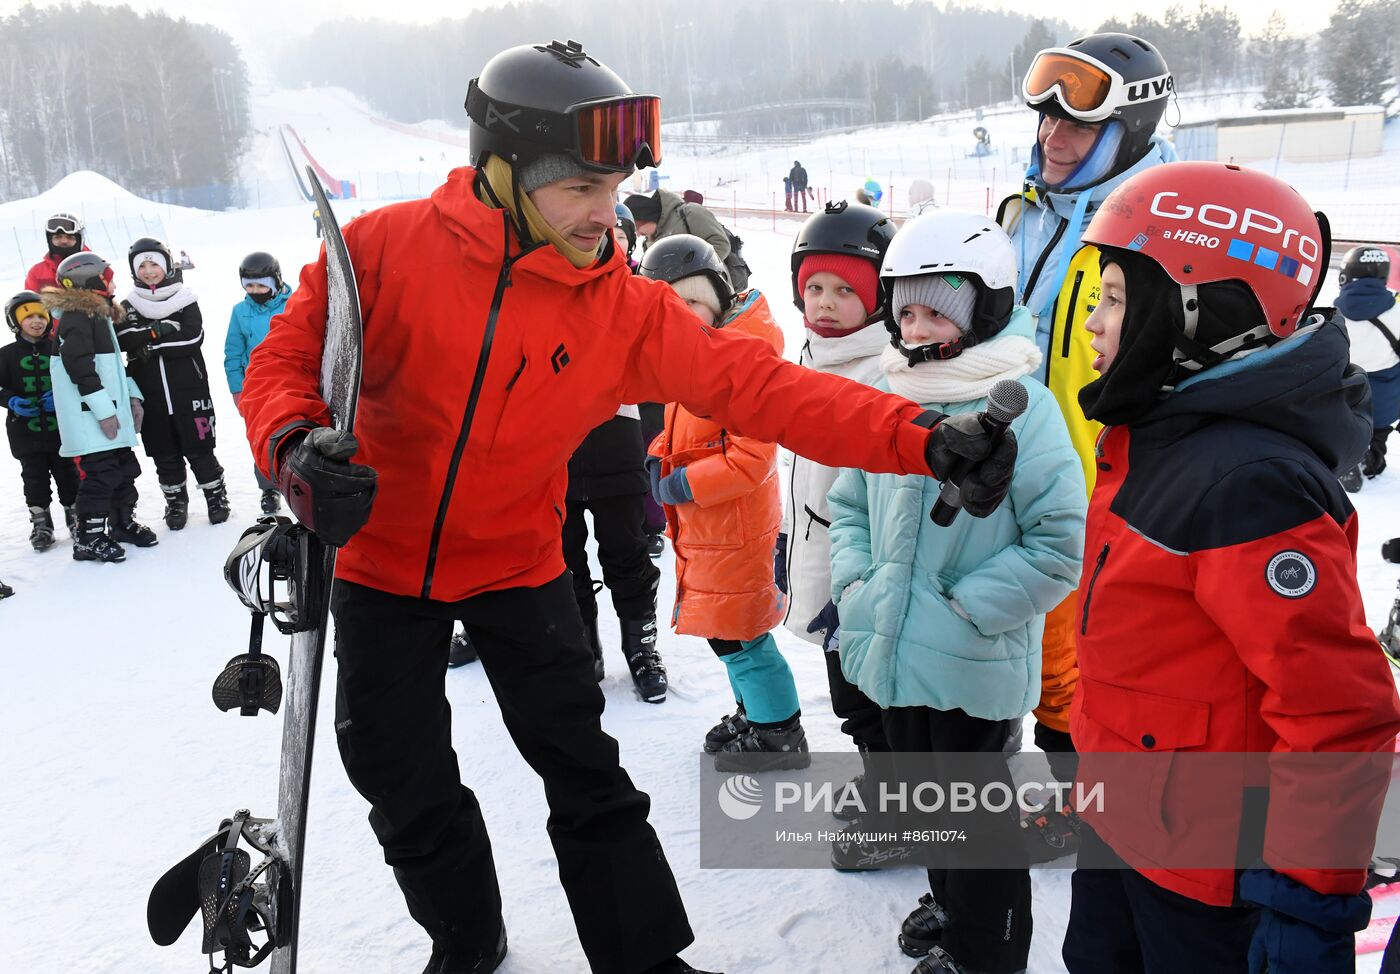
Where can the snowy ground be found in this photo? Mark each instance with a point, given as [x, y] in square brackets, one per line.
[117, 762]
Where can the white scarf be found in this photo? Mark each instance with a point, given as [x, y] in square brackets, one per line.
[162, 301]
[824, 353]
[969, 376]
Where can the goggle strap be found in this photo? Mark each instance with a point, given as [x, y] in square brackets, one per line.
[543, 128]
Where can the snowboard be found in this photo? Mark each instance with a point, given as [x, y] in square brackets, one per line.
[218, 880]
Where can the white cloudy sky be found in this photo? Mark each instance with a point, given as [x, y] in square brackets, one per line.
[246, 19]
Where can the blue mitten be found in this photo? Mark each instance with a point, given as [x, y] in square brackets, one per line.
[21, 406]
[1301, 931]
[674, 489]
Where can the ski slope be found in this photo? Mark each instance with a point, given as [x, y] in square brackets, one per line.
[116, 761]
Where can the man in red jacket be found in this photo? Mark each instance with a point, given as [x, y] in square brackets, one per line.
[1219, 612]
[64, 233]
[500, 326]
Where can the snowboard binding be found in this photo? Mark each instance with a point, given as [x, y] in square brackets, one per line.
[239, 904]
[274, 552]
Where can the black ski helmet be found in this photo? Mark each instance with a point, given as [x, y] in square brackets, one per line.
[1138, 107]
[627, 224]
[64, 223]
[1367, 260]
[850, 229]
[84, 271]
[21, 302]
[684, 255]
[551, 98]
[261, 264]
[152, 245]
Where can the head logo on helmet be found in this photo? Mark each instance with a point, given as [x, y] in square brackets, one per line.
[1208, 221]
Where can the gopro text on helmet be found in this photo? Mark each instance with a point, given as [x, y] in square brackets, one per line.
[1222, 217]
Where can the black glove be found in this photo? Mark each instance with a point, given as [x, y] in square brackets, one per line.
[962, 437]
[133, 317]
[828, 623]
[327, 494]
[164, 328]
[142, 352]
[780, 564]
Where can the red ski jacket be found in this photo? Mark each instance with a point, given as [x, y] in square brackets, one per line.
[1219, 611]
[485, 368]
[45, 273]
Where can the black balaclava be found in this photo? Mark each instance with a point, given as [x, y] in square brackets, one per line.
[1153, 327]
[62, 252]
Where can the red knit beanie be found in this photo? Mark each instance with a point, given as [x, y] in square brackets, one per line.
[859, 272]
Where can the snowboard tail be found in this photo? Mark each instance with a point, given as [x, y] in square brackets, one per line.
[251, 912]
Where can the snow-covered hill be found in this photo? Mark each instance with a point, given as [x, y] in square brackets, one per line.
[116, 762]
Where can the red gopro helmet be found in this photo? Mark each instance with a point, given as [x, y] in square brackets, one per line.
[1210, 221]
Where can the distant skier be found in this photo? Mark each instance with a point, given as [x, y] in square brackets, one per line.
[162, 333]
[798, 175]
[26, 389]
[316, 218]
[482, 374]
[1373, 325]
[99, 410]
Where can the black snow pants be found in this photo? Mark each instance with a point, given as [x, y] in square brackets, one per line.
[108, 482]
[628, 571]
[35, 469]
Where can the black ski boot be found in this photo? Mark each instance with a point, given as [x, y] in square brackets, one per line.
[177, 505]
[125, 528]
[938, 962]
[271, 501]
[1351, 480]
[729, 727]
[639, 646]
[5, 591]
[766, 749]
[93, 543]
[70, 517]
[461, 651]
[922, 929]
[676, 966]
[656, 546]
[859, 855]
[444, 962]
[41, 536]
[216, 496]
[1390, 635]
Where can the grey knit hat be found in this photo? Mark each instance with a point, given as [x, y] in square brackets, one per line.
[548, 168]
[951, 295]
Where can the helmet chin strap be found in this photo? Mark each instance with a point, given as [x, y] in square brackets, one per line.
[937, 352]
[1191, 355]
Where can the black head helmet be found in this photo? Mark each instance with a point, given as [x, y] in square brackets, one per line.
[1368, 260]
[147, 248]
[21, 306]
[556, 98]
[1100, 78]
[64, 223]
[684, 255]
[850, 229]
[84, 271]
[261, 264]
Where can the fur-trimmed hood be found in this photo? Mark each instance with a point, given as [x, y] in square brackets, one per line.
[88, 302]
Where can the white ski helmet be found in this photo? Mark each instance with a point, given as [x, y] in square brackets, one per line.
[953, 242]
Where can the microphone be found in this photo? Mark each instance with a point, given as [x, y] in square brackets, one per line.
[1007, 400]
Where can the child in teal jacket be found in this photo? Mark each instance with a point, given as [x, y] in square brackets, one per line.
[941, 626]
[265, 295]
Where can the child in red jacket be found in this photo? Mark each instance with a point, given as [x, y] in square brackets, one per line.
[1219, 609]
[723, 508]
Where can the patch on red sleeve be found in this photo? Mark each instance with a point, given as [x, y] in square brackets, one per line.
[1291, 574]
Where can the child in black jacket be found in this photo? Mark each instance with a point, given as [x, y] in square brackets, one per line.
[26, 389]
[162, 336]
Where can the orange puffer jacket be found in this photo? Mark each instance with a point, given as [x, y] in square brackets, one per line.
[724, 540]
